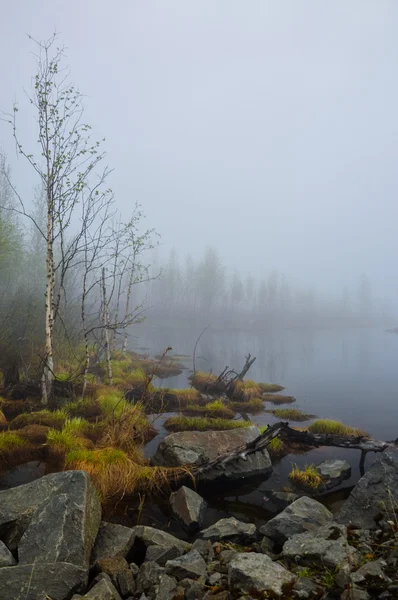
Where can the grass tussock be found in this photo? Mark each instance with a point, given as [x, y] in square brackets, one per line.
[55, 419]
[111, 401]
[61, 442]
[335, 428]
[184, 396]
[87, 408]
[279, 399]
[130, 429]
[307, 477]
[252, 406]
[203, 424]
[206, 383]
[13, 408]
[34, 434]
[115, 474]
[290, 414]
[216, 409]
[3, 420]
[14, 450]
[268, 388]
[244, 391]
[276, 446]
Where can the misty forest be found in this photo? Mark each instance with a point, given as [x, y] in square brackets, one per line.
[198, 340]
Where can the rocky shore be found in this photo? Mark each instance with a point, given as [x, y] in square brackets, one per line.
[54, 546]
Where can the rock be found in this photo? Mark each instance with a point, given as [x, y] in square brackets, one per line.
[112, 540]
[161, 554]
[58, 581]
[256, 573]
[190, 565]
[197, 447]
[306, 589]
[144, 536]
[333, 472]
[117, 568]
[204, 548]
[354, 593]
[195, 591]
[148, 579]
[302, 515]
[282, 499]
[134, 569]
[189, 508]
[64, 529]
[166, 588]
[326, 545]
[215, 579]
[103, 590]
[371, 576]
[230, 530]
[372, 494]
[6, 558]
[19, 504]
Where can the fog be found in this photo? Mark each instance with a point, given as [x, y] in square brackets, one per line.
[265, 130]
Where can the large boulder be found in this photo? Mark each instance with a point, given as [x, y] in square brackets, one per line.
[34, 506]
[58, 581]
[371, 497]
[188, 507]
[103, 590]
[112, 540]
[230, 530]
[327, 545]
[302, 515]
[333, 472]
[256, 574]
[198, 447]
[6, 558]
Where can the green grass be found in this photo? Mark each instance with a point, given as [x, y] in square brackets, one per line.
[307, 477]
[216, 409]
[55, 419]
[184, 396]
[252, 406]
[62, 442]
[276, 446]
[83, 408]
[11, 441]
[279, 399]
[290, 414]
[243, 391]
[112, 401]
[203, 424]
[335, 428]
[270, 387]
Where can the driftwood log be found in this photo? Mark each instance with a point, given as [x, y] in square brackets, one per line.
[306, 438]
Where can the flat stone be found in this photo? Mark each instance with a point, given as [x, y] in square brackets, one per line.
[304, 514]
[189, 508]
[333, 472]
[251, 572]
[112, 540]
[58, 581]
[6, 558]
[373, 492]
[64, 529]
[189, 565]
[231, 530]
[103, 590]
[327, 546]
[195, 448]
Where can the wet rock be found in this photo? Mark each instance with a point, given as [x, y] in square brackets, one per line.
[148, 579]
[371, 576]
[161, 554]
[166, 588]
[197, 447]
[117, 568]
[189, 508]
[327, 546]
[6, 558]
[58, 581]
[189, 565]
[333, 472]
[302, 515]
[19, 504]
[64, 529]
[230, 530]
[103, 590]
[282, 499]
[112, 540]
[252, 572]
[204, 548]
[372, 494]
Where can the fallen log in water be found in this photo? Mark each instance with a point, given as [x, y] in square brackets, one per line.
[287, 434]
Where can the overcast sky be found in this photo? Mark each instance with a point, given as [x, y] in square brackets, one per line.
[266, 128]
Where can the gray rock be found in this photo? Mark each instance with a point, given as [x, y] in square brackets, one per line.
[64, 529]
[230, 530]
[58, 581]
[19, 504]
[103, 590]
[372, 494]
[333, 472]
[148, 579]
[197, 447]
[204, 548]
[215, 579]
[112, 540]
[6, 558]
[166, 588]
[189, 508]
[149, 536]
[196, 591]
[190, 565]
[282, 499]
[354, 593]
[371, 576]
[252, 572]
[327, 545]
[306, 589]
[118, 569]
[161, 554]
[302, 515]
[134, 569]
